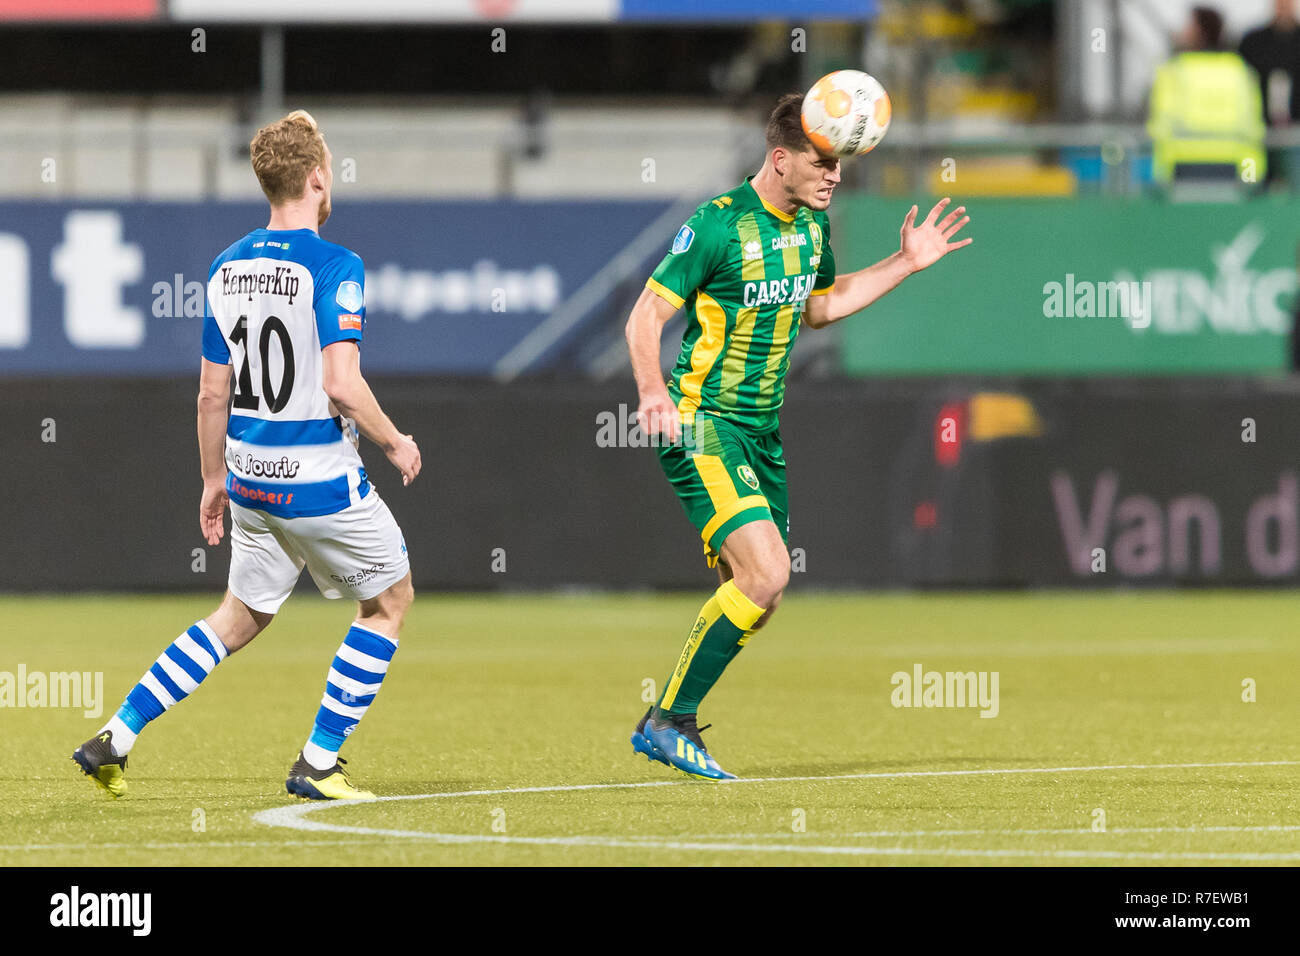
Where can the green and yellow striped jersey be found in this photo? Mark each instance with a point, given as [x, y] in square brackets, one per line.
[744, 271]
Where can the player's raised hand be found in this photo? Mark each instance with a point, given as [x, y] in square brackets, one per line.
[658, 415]
[212, 509]
[405, 456]
[926, 244]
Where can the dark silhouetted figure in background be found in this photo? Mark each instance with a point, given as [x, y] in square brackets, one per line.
[1295, 320]
[1273, 51]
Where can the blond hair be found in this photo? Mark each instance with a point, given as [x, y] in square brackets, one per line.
[284, 153]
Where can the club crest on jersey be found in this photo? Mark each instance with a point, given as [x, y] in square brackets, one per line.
[753, 250]
[350, 296]
[747, 476]
[685, 236]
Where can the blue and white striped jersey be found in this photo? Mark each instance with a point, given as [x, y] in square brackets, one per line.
[275, 299]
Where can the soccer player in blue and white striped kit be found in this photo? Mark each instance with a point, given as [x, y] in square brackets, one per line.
[286, 311]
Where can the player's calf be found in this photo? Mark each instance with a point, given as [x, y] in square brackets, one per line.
[236, 623]
[353, 681]
[177, 673]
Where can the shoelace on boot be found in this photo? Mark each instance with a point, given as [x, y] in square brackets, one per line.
[685, 725]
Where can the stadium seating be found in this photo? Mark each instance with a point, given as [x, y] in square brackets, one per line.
[192, 148]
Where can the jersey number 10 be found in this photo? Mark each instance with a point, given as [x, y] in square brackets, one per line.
[276, 398]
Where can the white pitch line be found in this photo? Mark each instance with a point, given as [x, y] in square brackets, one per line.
[227, 844]
[254, 844]
[1075, 831]
[886, 775]
[1173, 647]
[294, 818]
[1088, 831]
[697, 845]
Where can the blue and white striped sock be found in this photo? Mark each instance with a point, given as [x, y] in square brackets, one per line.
[353, 682]
[174, 676]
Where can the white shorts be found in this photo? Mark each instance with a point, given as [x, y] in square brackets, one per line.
[356, 553]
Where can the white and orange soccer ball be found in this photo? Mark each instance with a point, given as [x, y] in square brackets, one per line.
[846, 113]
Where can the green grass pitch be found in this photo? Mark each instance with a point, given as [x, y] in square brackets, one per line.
[1106, 704]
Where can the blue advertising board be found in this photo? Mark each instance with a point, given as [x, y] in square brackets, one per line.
[722, 10]
[118, 288]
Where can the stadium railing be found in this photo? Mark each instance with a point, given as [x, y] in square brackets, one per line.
[75, 146]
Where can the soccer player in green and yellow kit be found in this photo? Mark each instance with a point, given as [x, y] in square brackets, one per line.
[749, 266]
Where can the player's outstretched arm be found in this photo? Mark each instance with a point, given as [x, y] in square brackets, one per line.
[655, 412]
[214, 410]
[351, 394]
[921, 247]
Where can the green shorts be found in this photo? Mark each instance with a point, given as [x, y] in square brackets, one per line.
[727, 476]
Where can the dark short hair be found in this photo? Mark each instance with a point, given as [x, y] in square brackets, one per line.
[785, 124]
[1209, 23]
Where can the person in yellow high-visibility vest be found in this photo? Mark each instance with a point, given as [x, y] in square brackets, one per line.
[1206, 115]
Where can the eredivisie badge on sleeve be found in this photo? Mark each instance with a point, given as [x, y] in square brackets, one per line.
[685, 236]
[351, 298]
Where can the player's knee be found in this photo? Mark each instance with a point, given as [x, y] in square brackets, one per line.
[767, 615]
[781, 574]
[773, 600]
[765, 583]
[397, 599]
[235, 623]
[406, 594]
[775, 576]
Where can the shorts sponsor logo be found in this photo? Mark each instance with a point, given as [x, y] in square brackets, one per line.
[358, 577]
[263, 468]
[747, 476]
[685, 236]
